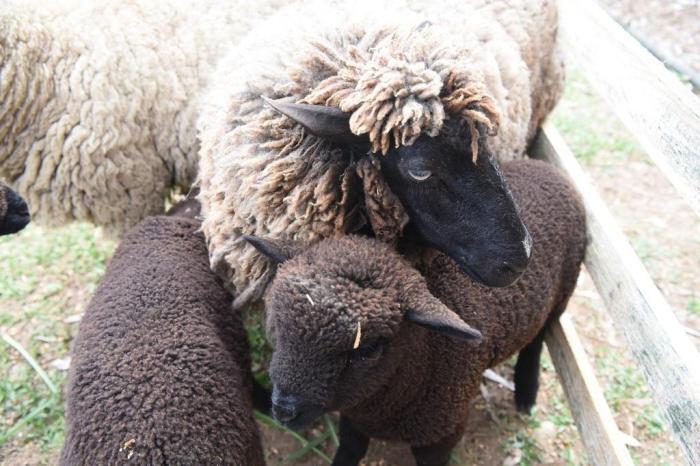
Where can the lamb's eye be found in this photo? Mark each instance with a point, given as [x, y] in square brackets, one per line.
[367, 352]
[420, 175]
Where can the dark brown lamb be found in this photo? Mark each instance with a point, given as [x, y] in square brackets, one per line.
[358, 329]
[161, 370]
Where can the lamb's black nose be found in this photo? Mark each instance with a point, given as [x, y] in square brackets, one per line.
[285, 407]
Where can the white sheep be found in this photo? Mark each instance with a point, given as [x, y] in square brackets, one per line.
[98, 100]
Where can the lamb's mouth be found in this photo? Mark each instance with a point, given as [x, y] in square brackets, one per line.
[293, 410]
[299, 420]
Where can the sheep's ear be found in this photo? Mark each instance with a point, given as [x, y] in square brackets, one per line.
[275, 252]
[325, 122]
[438, 317]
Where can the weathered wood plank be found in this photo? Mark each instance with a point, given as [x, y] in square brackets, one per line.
[655, 338]
[599, 433]
[655, 106]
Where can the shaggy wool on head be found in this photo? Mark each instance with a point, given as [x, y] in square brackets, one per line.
[402, 70]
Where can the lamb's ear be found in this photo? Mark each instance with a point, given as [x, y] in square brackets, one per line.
[325, 122]
[277, 253]
[429, 312]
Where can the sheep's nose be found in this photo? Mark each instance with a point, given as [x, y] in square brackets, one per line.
[518, 262]
[285, 407]
[510, 270]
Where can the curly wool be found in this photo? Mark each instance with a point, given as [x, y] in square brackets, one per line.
[98, 100]
[398, 99]
[161, 367]
[403, 70]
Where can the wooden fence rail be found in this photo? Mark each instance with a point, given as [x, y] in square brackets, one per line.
[654, 105]
[668, 360]
[599, 433]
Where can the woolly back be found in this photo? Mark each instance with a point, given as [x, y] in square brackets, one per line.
[98, 100]
[401, 70]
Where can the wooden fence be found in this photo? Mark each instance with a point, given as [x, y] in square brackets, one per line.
[664, 117]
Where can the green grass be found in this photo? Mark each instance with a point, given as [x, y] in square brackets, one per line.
[624, 382]
[528, 447]
[45, 276]
[551, 408]
[585, 122]
[260, 349]
[694, 305]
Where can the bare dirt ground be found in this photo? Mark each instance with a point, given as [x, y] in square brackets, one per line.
[671, 26]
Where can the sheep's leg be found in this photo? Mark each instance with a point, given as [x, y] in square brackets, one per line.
[437, 454]
[527, 373]
[353, 445]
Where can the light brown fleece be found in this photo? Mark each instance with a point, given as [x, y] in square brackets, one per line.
[401, 69]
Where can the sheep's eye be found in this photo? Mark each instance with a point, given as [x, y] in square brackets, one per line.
[420, 175]
[367, 351]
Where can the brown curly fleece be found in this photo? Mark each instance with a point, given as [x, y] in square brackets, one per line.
[419, 389]
[161, 370]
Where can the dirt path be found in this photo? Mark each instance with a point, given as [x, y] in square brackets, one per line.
[671, 26]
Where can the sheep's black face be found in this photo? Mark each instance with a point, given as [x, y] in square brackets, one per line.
[14, 213]
[461, 208]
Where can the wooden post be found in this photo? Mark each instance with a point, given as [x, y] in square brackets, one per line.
[668, 360]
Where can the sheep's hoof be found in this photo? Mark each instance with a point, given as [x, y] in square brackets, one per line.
[524, 408]
[524, 402]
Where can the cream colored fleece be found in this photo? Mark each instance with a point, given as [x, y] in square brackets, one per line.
[402, 70]
[98, 100]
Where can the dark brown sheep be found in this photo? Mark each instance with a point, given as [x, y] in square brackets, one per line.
[161, 370]
[358, 329]
[14, 213]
